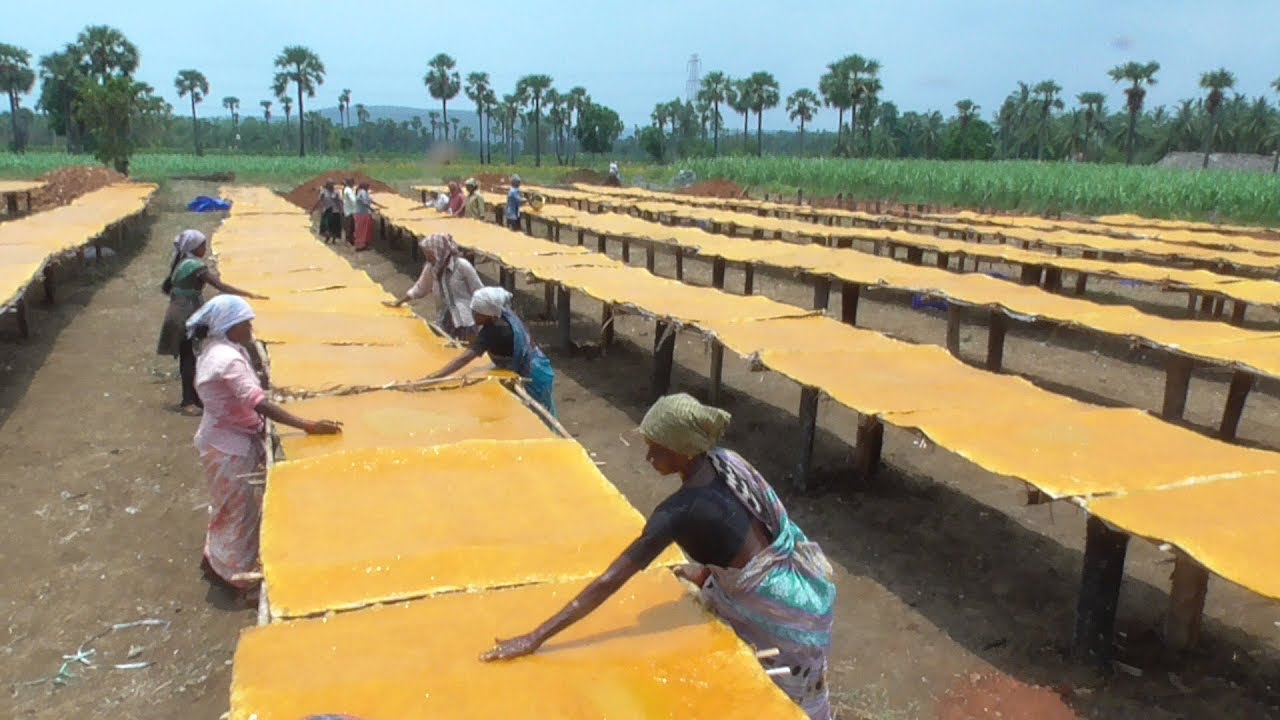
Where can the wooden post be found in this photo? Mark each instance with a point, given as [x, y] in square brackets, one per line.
[1082, 280]
[557, 233]
[849, 294]
[48, 283]
[24, 320]
[1177, 381]
[564, 318]
[1030, 274]
[953, 329]
[649, 257]
[582, 237]
[996, 328]
[626, 250]
[821, 292]
[664, 347]
[1053, 279]
[528, 224]
[424, 196]
[1241, 384]
[1186, 603]
[1218, 305]
[679, 263]
[717, 273]
[943, 260]
[868, 447]
[606, 326]
[717, 372]
[1191, 304]
[1238, 309]
[1206, 304]
[808, 431]
[1104, 553]
[749, 278]
[382, 229]
[548, 300]
[11, 204]
[915, 255]
[602, 243]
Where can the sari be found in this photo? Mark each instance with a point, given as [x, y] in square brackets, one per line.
[783, 598]
[529, 362]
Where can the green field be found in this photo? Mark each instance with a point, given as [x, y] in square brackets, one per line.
[1023, 186]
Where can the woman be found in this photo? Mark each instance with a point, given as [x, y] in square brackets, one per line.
[230, 439]
[509, 345]
[474, 207]
[330, 205]
[457, 280]
[456, 200]
[755, 568]
[364, 217]
[188, 275]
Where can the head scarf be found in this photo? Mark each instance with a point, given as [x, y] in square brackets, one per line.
[682, 424]
[490, 301]
[471, 183]
[187, 242]
[515, 181]
[220, 315]
[443, 247]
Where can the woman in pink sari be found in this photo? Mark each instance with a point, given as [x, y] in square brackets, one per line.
[230, 440]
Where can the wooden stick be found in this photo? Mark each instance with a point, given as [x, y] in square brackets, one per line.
[541, 412]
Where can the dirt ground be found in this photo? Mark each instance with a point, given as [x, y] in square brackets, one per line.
[946, 578]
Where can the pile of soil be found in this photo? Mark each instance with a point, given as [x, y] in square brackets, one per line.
[583, 175]
[999, 696]
[489, 182]
[715, 187]
[304, 196]
[68, 183]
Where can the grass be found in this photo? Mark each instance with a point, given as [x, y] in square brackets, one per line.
[1219, 195]
[1017, 185]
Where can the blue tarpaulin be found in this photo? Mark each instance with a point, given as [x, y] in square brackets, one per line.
[205, 203]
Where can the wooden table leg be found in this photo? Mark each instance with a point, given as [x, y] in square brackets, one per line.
[717, 373]
[717, 273]
[821, 292]
[1104, 554]
[997, 326]
[849, 294]
[664, 346]
[1177, 382]
[808, 432]
[953, 329]
[748, 279]
[564, 318]
[1190, 585]
[1241, 384]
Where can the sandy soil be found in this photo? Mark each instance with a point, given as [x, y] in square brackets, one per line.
[945, 576]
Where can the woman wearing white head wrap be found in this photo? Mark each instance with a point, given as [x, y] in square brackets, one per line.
[754, 567]
[230, 440]
[507, 341]
[454, 277]
[188, 274]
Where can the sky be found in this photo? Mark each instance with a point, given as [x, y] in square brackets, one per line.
[631, 56]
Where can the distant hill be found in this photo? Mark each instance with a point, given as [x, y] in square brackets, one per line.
[399, 114]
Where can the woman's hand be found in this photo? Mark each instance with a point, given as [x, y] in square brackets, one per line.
[513, 648]
[693, 572]
[324, 427]
[392, 303]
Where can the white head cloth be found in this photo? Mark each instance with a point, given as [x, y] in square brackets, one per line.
[220, 315]
[490, 301]
[188, 241]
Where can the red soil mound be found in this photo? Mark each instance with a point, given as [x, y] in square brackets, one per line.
[68, 183]
[583, 175]
[304, 196]
[716, 187]
[979, 697]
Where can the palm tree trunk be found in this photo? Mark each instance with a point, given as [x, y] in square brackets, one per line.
[1208, 140]
[746, 129]
[759, 133]
[840, 126]
[853, 132]
[1275, 164]
[801, 136]
[715, 129]
[195, 125]
[302, 138]
[444, 110]
[537, 134]
[13, 117]
[1133, 126]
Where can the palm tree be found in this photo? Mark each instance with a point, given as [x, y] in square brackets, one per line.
[554, 103]
[1137, 75]
[106, 52]
[16, 78]
[266, 111]
[834, 86]
[476, 90]
[1092, 102]
[1215, 82]
[434, 118]
[801, 106]
[764, 95]
[511, 105]
[491, 106]
[965, 110]
[1275, 164]
[232, 104]
[362, 114]
[530, 89]
[577, 99]
[1047, 96]
[192, 83]
[443, 83]
[302, 67]
[716, 88]
[861, 76]
[287, 102]
[344, 107]
[455, 122]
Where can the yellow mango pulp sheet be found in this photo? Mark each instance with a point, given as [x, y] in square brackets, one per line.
[390, 419]
[19, 186]
[349, 529]
[1076, 449]
[649, 653]
[1228, 525]
[299, 368]
[334, 328]
[364, 300]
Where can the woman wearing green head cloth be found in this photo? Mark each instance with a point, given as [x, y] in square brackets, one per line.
[756, 569]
